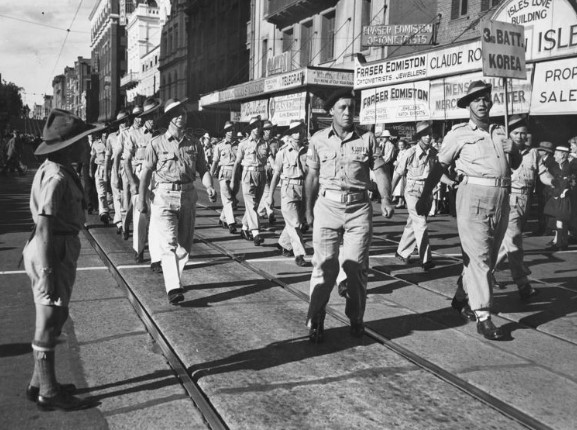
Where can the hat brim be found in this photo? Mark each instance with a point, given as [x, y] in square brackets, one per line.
[117, 122]
[464, 101]
[550, 151]
[150, 111]
[229, 128]
[45, 148]
[294, 129]
[166, 115]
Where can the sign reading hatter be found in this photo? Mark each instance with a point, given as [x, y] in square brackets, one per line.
[503, 48]
[396, 103]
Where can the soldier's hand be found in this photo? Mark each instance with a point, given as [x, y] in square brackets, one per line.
[389, 211]
[211, 194]
[133, 189]
[507, 145]
[423, 206]
[269, 201]
[310, 218]
[141, 206]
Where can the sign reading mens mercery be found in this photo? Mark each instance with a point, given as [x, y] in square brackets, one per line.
[398, 103]
[399, 34]
[503, 48]
[555, 88]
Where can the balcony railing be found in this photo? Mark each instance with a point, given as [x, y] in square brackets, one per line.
[286, 12]
[129, 80]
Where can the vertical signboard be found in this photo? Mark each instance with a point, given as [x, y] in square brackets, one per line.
[122, 12]
[503, 48]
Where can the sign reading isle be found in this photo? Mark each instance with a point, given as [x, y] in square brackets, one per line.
[503, 48]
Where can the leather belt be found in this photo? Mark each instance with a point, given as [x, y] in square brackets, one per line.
[524, 190]
[344, 197]
[293, 181]
[175, 186]
[487, 182]
[255, 168]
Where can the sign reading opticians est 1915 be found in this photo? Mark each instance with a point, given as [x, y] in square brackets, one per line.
[503, 48]
[400, 34]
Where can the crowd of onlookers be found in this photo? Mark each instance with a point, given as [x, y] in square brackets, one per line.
[15, 149]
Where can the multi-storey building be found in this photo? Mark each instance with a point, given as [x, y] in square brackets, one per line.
[38, 111]
[173, 53]
[143, 31]
[48, 99]
[108, 44]
[59, 92]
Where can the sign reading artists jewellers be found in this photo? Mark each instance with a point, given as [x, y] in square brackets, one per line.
[397, 103]
[399, 34]
[550, 25]
[447, 91]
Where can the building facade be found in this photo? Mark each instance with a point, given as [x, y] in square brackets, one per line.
[59, 92]
[48, 105]
[108, 45]
[172, 63]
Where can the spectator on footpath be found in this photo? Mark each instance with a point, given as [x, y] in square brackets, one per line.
[483, 157]
[100, 156]
[399, 190]
[266, 210]
[559, 204]
[50, 256]
[545, 150]
[522, 185]
[383, 172]
[339, 159]
[14, 155]
[573, 191]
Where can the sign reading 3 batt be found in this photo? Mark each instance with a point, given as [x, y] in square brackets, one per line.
[503, 48]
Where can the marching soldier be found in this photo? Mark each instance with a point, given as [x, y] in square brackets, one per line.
[253, 153]
[265, 209]
[224, 158]
[290, 168]
[134, 157]
[175, 159]
[115, 148]
[100, 156]
[50, 256]
[415, 166]
[522, 186]
[480, 151]
[383, 173]
[339, 160]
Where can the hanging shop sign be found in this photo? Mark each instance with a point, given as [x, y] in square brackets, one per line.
[397, 103]
[399, 34]
[447, 91]
[550, 25]
[403, 131]
[279, 64]
[331, 78]
[122, 14]
[253, 108]
[503, 48]
[223, 96]
[555, 88]
[285, 81]
[235, 116]
[249, 89]
[455, 60]
[283, 109]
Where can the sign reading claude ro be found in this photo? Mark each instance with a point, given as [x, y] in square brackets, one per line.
[503, 48]
[399, 34]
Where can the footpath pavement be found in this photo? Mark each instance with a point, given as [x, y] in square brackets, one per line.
[243, 340]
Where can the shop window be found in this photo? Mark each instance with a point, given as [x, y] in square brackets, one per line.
[287, 40]
[328, 37]
[306, 43]
[487, 4]
[264, 56]
[459, 8]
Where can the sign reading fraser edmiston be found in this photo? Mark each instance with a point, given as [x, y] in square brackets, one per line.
[399, 34]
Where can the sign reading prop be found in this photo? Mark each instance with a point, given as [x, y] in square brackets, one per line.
[283, 109]
[398, 103]
[503, 48]
[254, 108]
[445, 93]
[400, 34]
[555, 88]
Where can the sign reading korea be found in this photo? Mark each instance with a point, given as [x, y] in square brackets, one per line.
[503, 48]
[400, 34]
[398, 103]
[555, 88]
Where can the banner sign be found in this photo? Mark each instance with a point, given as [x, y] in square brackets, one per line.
[550, 25]
[235, 116]
[503, 48]
[122, 10]
[555, 88]
[284, 81]
[399, 34]
[279, 64]
[283, 109]
[445, 93]
[403, 131]
[332, 78]
[253, 108]
[398, 103]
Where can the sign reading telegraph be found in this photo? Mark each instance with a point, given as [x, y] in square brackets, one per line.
[400, 34]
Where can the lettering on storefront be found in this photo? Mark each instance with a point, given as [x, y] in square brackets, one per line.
[391, 71]
[503, 48]
[400, 34]
[555, 88]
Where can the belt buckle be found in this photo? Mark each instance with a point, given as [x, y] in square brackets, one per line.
[176, 187]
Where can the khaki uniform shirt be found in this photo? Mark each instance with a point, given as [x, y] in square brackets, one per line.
[135, 146]
[253, 152]
[531, 166]
[289, 161]
[343, 165]
[225, 153]
[57, 192]
[417, 163]
[175, 161]
[474, 153]
[100, 151]
[113, 144]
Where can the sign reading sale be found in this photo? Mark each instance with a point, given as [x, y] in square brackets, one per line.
[503, 48]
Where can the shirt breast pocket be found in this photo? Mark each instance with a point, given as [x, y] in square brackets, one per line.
[165, 158]
[328, 163]
[250, 155]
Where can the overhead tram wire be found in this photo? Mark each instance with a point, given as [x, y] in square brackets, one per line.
[329, 40]
[42, 25]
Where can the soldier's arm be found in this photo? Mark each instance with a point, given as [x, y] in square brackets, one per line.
[275, 177]
[311, 192]
[215, 161]
[44, 251]
[239, 157]
[128, 155]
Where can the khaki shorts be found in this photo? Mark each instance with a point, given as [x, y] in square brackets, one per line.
[67, 251]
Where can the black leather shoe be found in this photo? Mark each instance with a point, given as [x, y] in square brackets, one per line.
[489, 330]
[62, 400]
[32, 392]
[287, 252]
[300, 261]
[139, 257]
[357, 329]
[156, 267]
[175, 296]
[118, 229]
[402, 259]
[258, 239]
[232, 229]
[342, 288]
[125, 234]
[317, 333]
[429, 265]
[527, 292]
[304, 228]
[105, 219]
[271, 219]
[464, 309]
[222, 224]
[245, 235]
